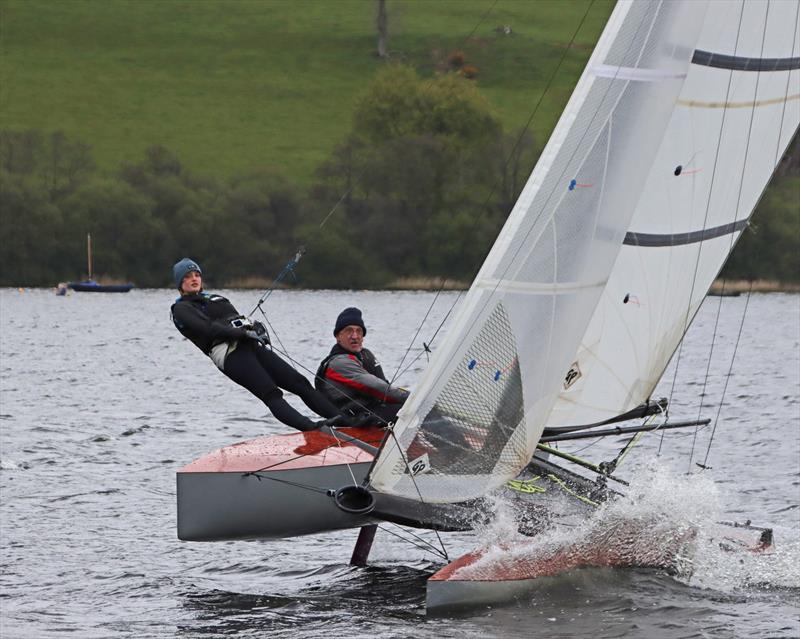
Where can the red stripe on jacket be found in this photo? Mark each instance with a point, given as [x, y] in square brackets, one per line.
[361, 388]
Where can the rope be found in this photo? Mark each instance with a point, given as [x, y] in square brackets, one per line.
[414, 339]
[727, 378]
[424, 544]
[686, 320]
[523, 243]
[314, 489]
[426, 346]
[287, 269]
[735, 216]
[349, 468]
[544, 206]
[483, 17]
[413, 482]
[513, 150]
[750, 288]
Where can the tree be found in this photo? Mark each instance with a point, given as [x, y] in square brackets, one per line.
[382, 22]
[32, 227]
[123, 229]
[400, 104]
[413, 171]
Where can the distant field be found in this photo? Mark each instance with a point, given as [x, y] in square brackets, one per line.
[233, 84]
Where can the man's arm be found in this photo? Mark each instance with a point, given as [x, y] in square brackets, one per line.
[348, 371]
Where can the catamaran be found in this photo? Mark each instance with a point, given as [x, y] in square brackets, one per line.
[672, 133]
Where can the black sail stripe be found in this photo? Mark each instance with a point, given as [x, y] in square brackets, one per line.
[677, 239]
[741, 63]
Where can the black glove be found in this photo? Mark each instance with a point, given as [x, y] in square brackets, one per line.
[261, 339]
[261, 331]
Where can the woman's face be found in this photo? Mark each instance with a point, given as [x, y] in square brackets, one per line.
[192, 283]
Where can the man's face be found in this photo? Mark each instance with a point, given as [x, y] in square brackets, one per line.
[192, 283]
[351, 338]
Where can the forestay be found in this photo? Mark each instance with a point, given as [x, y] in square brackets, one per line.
[480, 408]
[737, 112]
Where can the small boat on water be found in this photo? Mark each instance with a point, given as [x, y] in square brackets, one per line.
[89, 285]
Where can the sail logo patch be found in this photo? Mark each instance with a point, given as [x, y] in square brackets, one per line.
[573, 375]
[421, 464]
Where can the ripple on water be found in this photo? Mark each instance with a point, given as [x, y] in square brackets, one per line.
[88, 518]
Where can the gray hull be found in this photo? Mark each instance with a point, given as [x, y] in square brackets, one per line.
[274, 487]
[218, 506]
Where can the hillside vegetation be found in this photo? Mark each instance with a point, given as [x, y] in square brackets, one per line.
[231, 130]
[229, 85]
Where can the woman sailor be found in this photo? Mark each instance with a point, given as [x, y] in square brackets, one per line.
[238, 347]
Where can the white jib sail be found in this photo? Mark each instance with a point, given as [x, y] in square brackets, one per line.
[737, 112]
[481, 405]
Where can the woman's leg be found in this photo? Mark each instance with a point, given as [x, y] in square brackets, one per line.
[289, 379]
[244, 368]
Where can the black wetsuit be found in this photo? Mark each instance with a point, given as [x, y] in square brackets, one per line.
[206, 321]
[356, 384]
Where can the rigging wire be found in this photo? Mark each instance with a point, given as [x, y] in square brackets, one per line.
[541, 213]
[426, 345]
[552, 192]
[290, 267]
[776, 162]
[686, 320]
[735, 216]
[423, 544]
[413, 482]
[563, 172]
[549, 197]
[518, 141]
[471, 33]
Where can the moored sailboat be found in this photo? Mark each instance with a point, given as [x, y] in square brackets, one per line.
[89, 285]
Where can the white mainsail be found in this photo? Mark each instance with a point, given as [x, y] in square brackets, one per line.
[480, 408]
[737, 112]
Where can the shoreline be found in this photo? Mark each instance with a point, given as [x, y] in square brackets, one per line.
[719, 287]
[735, 287]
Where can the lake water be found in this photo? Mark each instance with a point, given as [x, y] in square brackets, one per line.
[101, 401]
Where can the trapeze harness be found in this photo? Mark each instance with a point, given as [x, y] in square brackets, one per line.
[351, 395]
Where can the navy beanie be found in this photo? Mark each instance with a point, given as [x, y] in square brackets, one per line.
[349, 317]
[181, 268]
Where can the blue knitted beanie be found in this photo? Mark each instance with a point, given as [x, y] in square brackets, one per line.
[181, 268]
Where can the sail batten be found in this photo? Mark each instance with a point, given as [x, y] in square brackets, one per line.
[742, 63]
[537, 288]
[635, 74]
[481, 405]
[715, 160]
[634, 238]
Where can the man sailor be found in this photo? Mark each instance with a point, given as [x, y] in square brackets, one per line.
[238, 347]
[352, 378]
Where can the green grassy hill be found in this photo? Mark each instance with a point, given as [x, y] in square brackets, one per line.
[229, 85]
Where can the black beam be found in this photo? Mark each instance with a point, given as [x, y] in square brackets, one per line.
[620, 430]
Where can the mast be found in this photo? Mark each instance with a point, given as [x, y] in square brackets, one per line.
[481, 406]
[89, 253]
